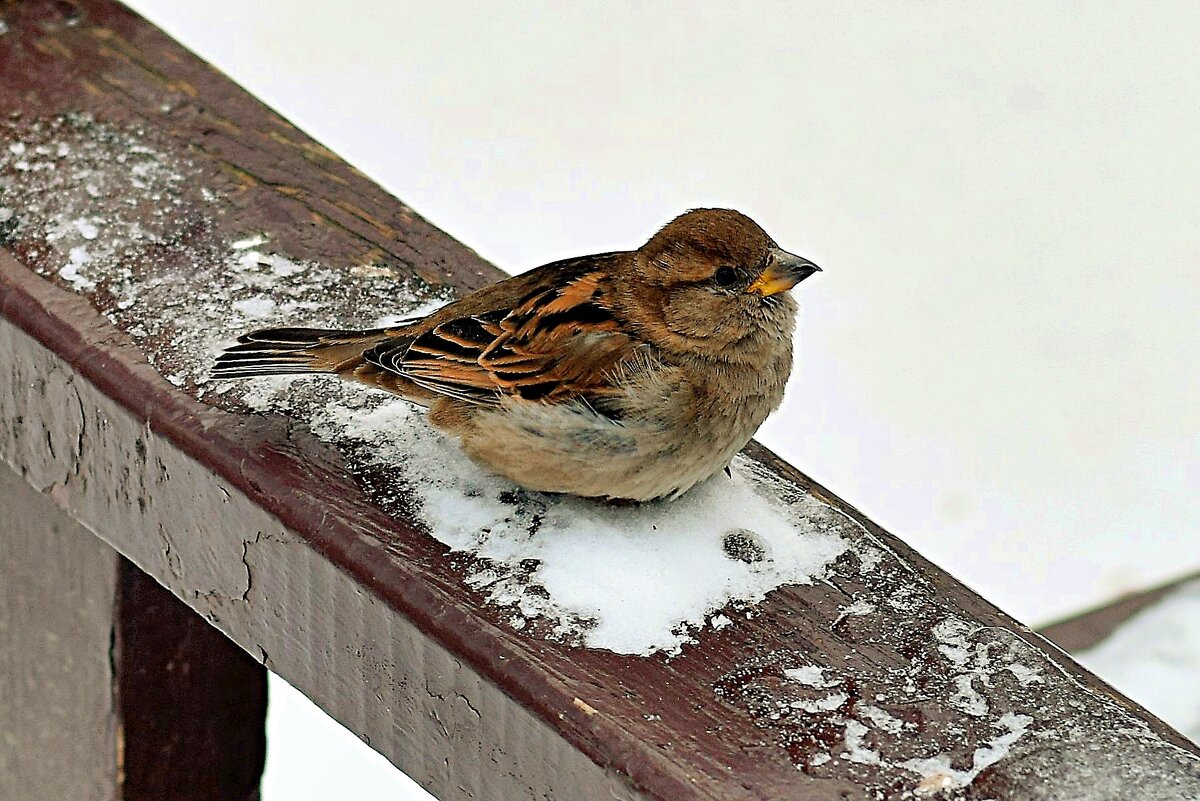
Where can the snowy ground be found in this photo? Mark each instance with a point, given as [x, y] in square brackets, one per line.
[998, 363]
[1155, 659]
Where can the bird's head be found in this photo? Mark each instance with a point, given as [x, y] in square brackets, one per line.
[713, 282]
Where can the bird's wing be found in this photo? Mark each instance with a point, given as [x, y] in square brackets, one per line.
[558, 341]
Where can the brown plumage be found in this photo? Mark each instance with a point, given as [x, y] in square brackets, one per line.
[630, 375]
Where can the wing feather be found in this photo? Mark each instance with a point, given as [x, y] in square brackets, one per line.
[555, 343]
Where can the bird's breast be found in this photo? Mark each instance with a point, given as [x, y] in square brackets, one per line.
[663, 428]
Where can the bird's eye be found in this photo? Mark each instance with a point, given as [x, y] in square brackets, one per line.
[725, 276]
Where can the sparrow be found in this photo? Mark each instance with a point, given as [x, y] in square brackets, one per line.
[627, 376]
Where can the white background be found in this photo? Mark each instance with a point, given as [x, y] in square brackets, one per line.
[999, 363]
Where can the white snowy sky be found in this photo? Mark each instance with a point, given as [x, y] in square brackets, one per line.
[999, 363]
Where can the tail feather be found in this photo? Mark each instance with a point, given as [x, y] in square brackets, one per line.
[284, 351]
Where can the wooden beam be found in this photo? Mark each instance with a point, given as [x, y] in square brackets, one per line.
[1082, 631]
[192, 705]
[58, 737]
[884, 678]
[112, 687]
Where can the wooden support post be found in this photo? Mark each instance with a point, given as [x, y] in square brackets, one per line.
[192, 705]
[58, 732]
[112, 687]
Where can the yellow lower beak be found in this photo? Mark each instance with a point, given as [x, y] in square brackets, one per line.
[784, 270]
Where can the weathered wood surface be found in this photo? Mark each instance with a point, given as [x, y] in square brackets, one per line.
[57, 717]
[885, 679]
[112, 688]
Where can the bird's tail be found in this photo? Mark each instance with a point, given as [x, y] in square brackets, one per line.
[283, 351]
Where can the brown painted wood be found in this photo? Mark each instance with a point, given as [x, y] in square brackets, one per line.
[58, 737]
[1082, 631]
[192, 704]
[260, 527]
[112, 687]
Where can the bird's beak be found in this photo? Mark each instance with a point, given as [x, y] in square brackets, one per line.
[784, 270]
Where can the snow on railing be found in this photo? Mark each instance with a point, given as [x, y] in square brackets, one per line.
[758, 638]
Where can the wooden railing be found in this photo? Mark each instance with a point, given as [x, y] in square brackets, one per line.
[142, 197]
[1088, 629]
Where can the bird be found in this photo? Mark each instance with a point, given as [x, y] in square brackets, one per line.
[627, 377]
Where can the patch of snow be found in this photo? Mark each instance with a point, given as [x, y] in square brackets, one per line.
[635, 579]
[1024, 674]
[372, 271]
[938, 775]
[256, 308]
[856, 750]
[70, 272]
[283, 268]
[809, 675]
[881, 718]
[390, 320]
[858, 608]
[869, 558]
[976, 662]
[966, 697]
[951, 636]
[903, 600]
[826, 704]
[86, 228]
[249, 242]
